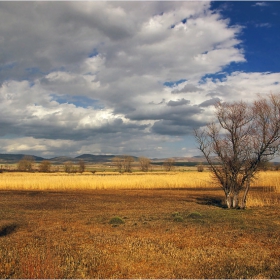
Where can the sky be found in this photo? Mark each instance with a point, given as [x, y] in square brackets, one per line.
[128, 77]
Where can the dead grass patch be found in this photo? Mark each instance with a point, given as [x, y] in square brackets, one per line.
[70, 236]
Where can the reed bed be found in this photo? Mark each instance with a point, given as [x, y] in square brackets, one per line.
[86, 181]
[265, 189]
[268, 179]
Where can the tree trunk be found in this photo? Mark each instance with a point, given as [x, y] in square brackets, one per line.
[232, 200]
[235, 200]
[229, 201]
[244, 198]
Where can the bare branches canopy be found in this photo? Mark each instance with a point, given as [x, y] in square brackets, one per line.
[45, 166]
[168, 164]
[26, 163]
[144, 163]
[123, 163]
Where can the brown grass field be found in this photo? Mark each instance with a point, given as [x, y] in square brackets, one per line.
[166, 226]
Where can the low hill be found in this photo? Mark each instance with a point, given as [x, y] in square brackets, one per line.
[61, 159]
[95, 158]
[13, 158]
[90, 158]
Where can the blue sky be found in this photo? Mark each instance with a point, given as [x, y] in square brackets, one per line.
[260, 35]
[128, 77]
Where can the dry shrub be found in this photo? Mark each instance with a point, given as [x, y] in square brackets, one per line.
[116, 221]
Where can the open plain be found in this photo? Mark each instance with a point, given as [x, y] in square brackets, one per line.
[151, 226]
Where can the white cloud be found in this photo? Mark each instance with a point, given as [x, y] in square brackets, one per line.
[88, 77]
[261, 4]
[243, 86]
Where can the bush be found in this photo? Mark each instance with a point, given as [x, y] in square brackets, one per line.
[195, 215]
[174, 214]
[200, 168]
[116, 221]
[178, 219]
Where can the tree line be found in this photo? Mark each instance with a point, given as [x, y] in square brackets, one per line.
[27, 164]
[121, 163]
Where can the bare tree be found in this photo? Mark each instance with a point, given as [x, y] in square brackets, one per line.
[69, 167]
[26, 163]
[169, 164]
[82, 166]
[144, 163]
[245, 137]
[123, 163]
[45, 166]
[127, 162]
[118, 162]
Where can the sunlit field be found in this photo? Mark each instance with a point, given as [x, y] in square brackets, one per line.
[106, 180]
[155, 225]
[267, 183]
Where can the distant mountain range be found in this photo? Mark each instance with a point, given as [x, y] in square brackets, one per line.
[14, 158]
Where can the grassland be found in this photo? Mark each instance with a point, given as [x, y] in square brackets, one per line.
[166, 226]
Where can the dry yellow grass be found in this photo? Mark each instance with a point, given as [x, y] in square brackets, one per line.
[63, 181]
[267, 186]
[268, 179]
[267, 183]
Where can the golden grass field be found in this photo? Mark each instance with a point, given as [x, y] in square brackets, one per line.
[167, 225]
[103, 180]
[268, 181]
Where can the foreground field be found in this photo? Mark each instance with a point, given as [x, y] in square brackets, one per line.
[171, 232]
[166, 234]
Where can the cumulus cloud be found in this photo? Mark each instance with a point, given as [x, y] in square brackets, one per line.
[178, 102]
[187, 88]
[210, 102]
[92, 77]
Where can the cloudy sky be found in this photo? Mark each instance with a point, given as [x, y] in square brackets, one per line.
[128, 77]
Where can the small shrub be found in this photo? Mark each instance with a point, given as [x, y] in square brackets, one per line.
[174, 214]
[195, 215]
[200, 168]
[116, 221]
[178, 219]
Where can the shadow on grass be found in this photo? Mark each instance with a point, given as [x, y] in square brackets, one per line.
[7, 229]
[209, 200]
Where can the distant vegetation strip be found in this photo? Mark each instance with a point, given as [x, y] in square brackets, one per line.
[14, 158]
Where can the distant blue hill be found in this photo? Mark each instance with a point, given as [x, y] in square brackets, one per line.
[14, 158]
[11, 158]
